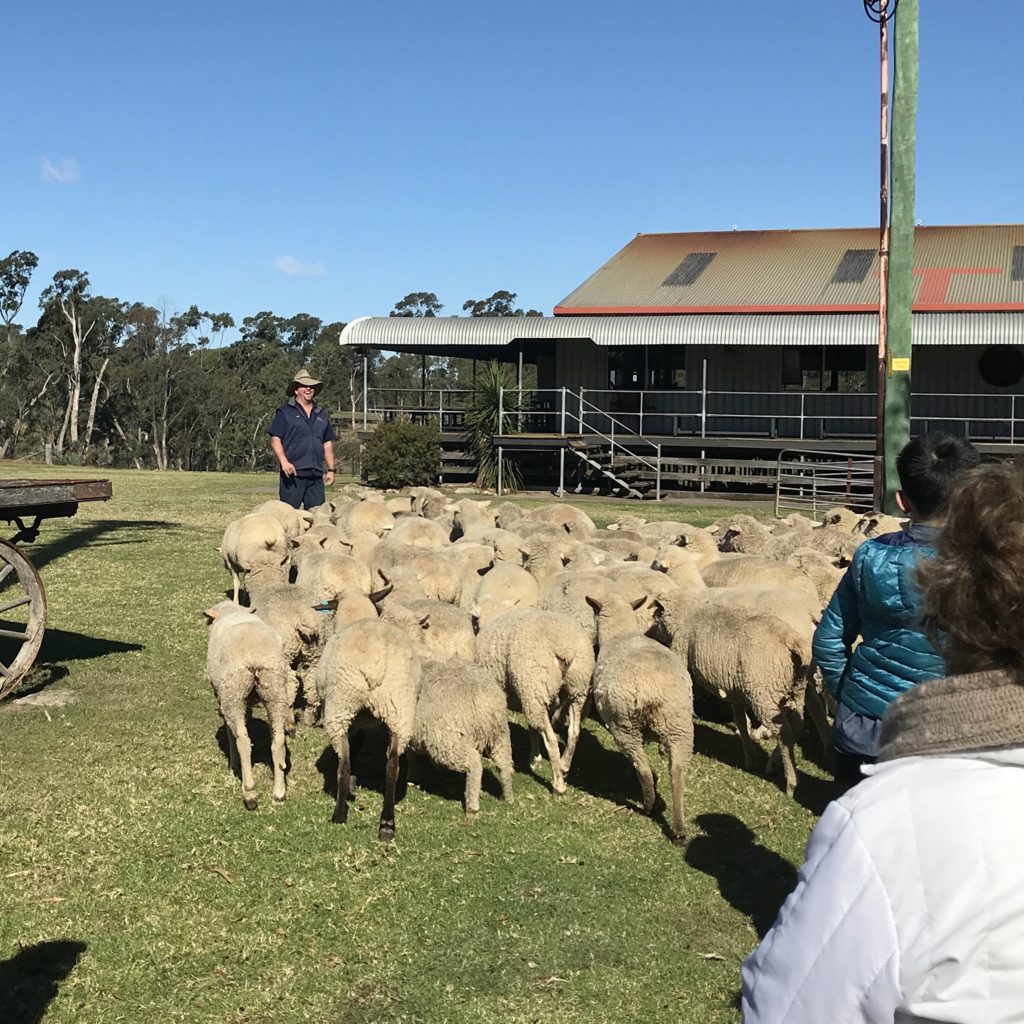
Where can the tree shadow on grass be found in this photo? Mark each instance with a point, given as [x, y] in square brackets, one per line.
[752, 878]
[29, 980]
[92, 535]
[811, 792]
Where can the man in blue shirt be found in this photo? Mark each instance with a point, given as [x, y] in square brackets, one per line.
[301, 437]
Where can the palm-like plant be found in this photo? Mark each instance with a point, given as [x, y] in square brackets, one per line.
[482, 424]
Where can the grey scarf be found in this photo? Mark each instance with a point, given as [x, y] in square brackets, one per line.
[958, 713]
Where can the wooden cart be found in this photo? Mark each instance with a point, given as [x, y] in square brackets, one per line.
[26, 503]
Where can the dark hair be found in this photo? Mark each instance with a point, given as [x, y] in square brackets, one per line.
[929, 466]
[973, 590]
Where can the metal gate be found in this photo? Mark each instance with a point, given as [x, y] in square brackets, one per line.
[814, 481]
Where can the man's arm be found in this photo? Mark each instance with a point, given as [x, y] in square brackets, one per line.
[833, 953]
[329, 459]
[278, 448]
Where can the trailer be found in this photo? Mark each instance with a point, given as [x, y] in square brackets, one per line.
[26, 503]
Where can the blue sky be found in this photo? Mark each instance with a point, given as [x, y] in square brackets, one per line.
[329, 157]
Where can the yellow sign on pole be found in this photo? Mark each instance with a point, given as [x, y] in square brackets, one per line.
[899, 364]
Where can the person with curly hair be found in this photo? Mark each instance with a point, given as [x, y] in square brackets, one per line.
[877, 602]
[909, 905]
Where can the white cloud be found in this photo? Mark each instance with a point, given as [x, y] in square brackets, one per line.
[65, 174]
[291, 267]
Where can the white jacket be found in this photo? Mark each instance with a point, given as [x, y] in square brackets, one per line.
[910, 905]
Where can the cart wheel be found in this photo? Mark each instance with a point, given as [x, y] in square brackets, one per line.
[22, 616]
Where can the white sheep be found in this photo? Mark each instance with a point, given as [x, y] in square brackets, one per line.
[540, 657]
[418, 532]
[368, 667]
[502, 589]
[745, 570]
[294, 521]
[438, 630]
[642, 691]
[254, 543]
[573, 520]
[460, 716]
[756, 662]
[324, 574]
[245, 662]
[368, 515]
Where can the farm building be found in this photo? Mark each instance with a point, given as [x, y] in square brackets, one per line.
[716, 349]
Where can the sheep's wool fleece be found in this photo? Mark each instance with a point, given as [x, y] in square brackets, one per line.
[909, 904]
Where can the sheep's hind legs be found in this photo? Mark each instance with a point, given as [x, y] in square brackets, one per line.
[340, 815]
[750, 748]
[386, 831]
[678, 758]
[632, 746]
[240, 756]
[575, 717]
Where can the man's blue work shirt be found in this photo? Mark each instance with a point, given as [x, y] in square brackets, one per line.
[302, 437]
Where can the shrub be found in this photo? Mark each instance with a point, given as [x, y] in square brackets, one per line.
[482, 424]
[403, 454]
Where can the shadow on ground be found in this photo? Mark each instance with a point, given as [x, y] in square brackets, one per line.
[102, 533]
[752, 878]
[30, 979]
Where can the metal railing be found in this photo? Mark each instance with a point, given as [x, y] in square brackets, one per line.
[813, 482]
[445, 406]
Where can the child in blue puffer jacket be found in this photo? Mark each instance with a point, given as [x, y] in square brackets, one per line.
[878, 601]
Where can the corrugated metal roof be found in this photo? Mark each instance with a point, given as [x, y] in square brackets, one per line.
[955, 269]
[700, 329]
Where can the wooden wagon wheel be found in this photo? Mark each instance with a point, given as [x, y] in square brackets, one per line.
[22, 616]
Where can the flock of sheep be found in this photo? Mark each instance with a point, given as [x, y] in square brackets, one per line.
[432, 617]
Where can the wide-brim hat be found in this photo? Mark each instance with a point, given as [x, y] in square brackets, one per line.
[303, 378]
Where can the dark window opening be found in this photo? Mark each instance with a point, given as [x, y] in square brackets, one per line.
[1017, 270]
[662, 368]
[842, 368]
[690, 269]
[1002, 366]
[854, 266]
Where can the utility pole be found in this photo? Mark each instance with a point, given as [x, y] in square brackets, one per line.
[883, 258]
[901, 261]
[895, 241]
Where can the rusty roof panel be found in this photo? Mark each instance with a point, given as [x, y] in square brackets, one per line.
[956, 269]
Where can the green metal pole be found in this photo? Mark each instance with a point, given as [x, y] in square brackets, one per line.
[901, 255]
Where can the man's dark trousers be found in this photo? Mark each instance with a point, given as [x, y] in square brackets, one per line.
[302, 491]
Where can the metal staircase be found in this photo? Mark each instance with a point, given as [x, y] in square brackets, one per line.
[598, 459]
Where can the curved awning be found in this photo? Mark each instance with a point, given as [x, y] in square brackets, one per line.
[420, 334]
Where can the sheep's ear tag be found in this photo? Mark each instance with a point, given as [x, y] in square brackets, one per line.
[326, 606]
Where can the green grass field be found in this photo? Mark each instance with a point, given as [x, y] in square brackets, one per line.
[135, 887]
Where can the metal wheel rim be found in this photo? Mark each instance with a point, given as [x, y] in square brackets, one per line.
[28, 590]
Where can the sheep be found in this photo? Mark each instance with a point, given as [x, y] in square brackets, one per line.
[254, 543]
[573, 520]
[293, 521]
[750, 569]
[628, 522]
[503, 588]
[506, 514]
[642, 691]
[420, 533]
[443, 574]
[755, 661]
[819, 570]
[470, 518]
[566, 593]
[323, 574]
[460, 715]
[876, 524]
[551, 551]
[245, 662]
[438, 630]
[540, 656]
[742, 534]
[320, 538]
[430, 503]
[508, 546]
[843, 518]
[367, 515]
[368, 667]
